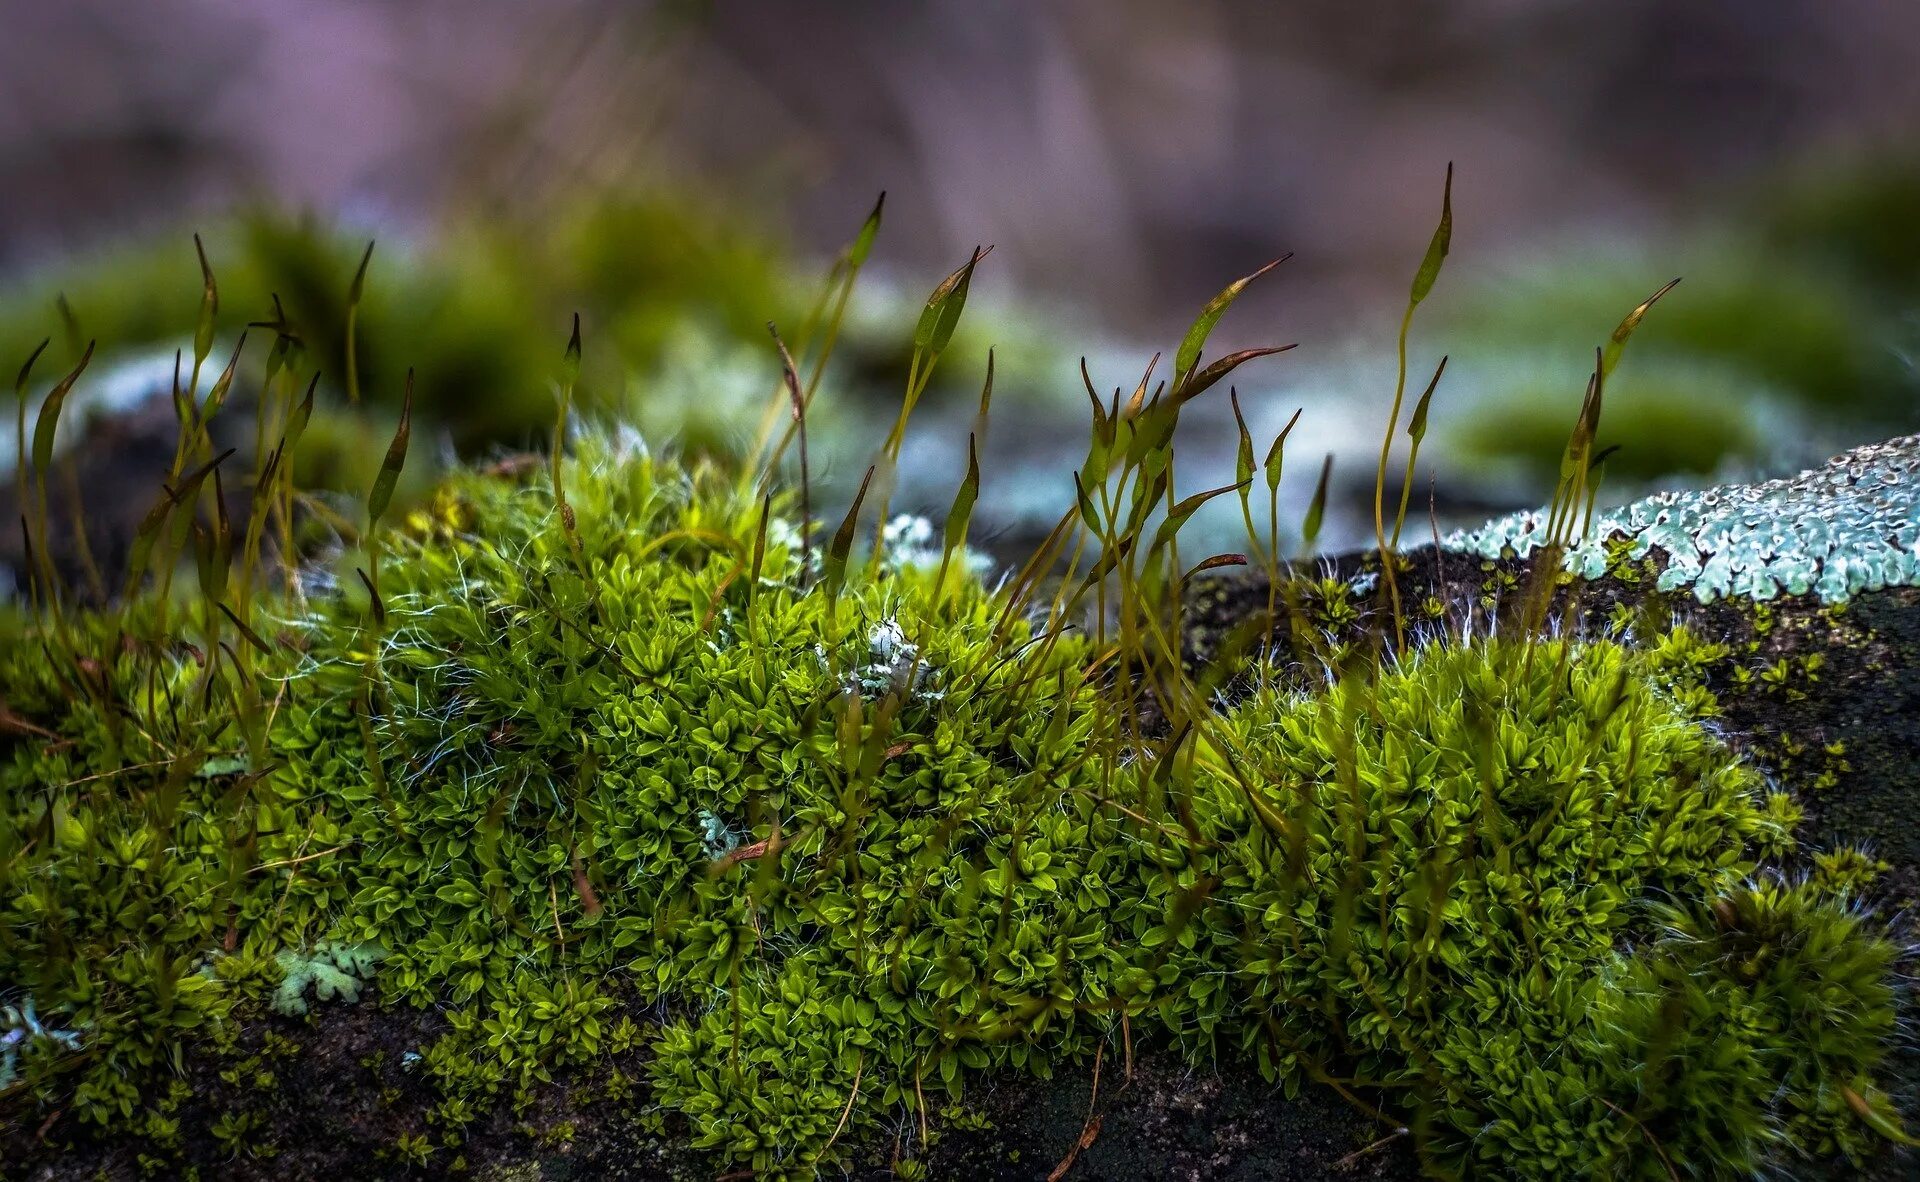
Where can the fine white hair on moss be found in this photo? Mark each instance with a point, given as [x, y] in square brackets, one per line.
[1849, 526]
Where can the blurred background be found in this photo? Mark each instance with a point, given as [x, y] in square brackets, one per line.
[680, 173]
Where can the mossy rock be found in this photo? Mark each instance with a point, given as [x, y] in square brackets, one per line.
[607, 744]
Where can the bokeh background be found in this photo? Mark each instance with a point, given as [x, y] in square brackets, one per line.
[681, 173]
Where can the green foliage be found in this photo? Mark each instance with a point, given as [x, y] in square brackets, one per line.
[617, 752]
[1669, 416]
[1446, 865]
[1846, 871]
[120, 857]
[1815, 345]
[473, 315]
[236, 1133]
[1752, 1025]
[675, 296]
[710, 787]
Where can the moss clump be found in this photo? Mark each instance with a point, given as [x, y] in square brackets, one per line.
[845, 835]
[1447, 873]
[1752, 1026]
[121, 856]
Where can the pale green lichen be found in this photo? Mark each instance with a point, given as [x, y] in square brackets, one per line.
[1849, 526]
[335, 971]
[894, 665]
[716, 838]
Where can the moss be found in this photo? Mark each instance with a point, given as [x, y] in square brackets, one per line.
[475, 313]
[1473, 838]
[620, 756]
[1761, 1013]
[857, 841]
[857, 844]
[1670, 417]
[1796, 320]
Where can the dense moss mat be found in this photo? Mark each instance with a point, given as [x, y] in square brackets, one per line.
[661, 799]
[1816, 696]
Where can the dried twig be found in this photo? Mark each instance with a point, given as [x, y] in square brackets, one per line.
[283, 862]
[1090, 1131]
[858, 1067]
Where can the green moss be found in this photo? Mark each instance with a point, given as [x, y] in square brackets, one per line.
[475, 314]
[588, 761]
[1770, 312]
[623, 754]
[121, 860]
[1668, 418]
[863, 844]
[1449, 860]
[1754, 1023]
[1846, 871]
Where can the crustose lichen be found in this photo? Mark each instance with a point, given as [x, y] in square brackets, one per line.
[1851, 525]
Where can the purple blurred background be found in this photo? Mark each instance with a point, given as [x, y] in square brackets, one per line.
[1123, 154]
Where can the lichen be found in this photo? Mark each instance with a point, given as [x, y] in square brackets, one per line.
[893, 666]
[715, 837]
[1849, 526]
[333, 971]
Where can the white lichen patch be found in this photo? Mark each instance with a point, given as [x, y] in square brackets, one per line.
[332, 971]
[1851, 525]
[716, 837]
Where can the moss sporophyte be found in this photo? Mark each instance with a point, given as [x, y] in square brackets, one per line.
[622, 750]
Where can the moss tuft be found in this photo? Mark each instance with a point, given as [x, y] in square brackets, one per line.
[1442, 868]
